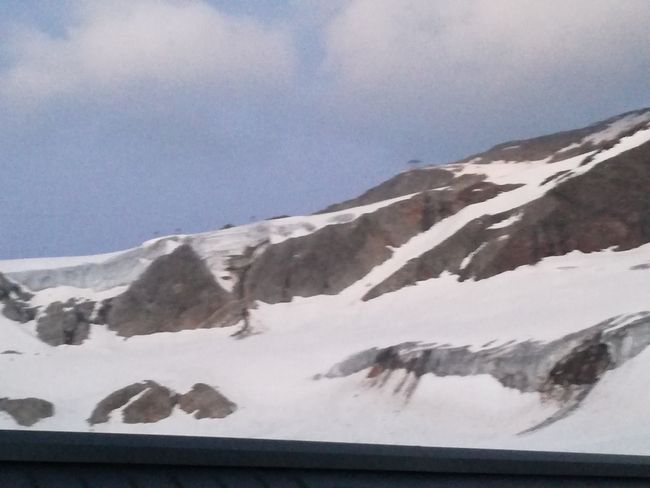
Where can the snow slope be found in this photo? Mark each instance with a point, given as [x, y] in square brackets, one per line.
[274, 375]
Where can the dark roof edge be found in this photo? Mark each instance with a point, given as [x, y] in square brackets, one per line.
[74, 447]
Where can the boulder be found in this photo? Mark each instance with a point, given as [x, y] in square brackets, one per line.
[15, 301]
[116, 400]
[206, 402]
[65, 323]
[27, 411]
[156, 403]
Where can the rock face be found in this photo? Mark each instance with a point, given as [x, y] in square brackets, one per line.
[606, 207]
[334, 257]
[15, 301]
[411, 181]
[65, 323]
[176, 292]
[562, 145]
[27, 411]
[206, 402]
[155, 402]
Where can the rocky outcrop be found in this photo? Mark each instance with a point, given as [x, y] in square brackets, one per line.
[65, 322]
[565, 369]
[149, 402]
[412, 181]
[27, 411]
[156, 403]
[206, 402]
[176, 292]
[115, 400]
[336, 256]
[14, 301]
[566, 144]
[606, 207]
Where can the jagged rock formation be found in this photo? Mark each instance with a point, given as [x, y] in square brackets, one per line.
[149, 402]
[336, 256]
[65, 323]
[176, 292]
[565, 369]
[206, 402]
[606, 207]
[27, 411]
[15, 301]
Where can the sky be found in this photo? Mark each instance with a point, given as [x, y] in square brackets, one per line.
[121, 120]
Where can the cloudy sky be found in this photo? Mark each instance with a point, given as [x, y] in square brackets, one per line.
[121, 119]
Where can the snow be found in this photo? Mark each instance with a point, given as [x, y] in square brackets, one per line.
[617, 127]
[18, 265]
[507, 222]
[270, 375]
[468, 259]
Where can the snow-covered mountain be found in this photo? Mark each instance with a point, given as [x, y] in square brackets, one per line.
[497, 301]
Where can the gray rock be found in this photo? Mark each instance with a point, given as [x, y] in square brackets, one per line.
[336, 256]
[176, 292]
[65, 323]
[547, 146]
[605, 207]
[116, 400]
[15, 302]
[155, 404]
[27, 411]
[413, 181]
[206, 402]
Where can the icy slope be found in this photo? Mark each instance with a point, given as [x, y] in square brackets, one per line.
[271, 374]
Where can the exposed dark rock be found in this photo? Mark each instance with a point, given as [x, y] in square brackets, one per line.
[19, 311]
[10, 351]
[27, 411]
[582, 366]
[176, 292]
[155, 404]
[606, 207]
[206, 402]
[552, 146]
[65, 323]
[116, 400]
[15, 301]
[565, 369]
[412, 181]
[575, 359]
[334, 257]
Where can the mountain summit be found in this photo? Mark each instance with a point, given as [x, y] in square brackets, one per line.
[495, 301]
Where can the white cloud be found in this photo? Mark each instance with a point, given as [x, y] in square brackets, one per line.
[147, 43]
[421, 53]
